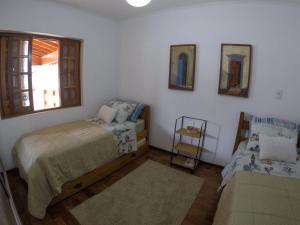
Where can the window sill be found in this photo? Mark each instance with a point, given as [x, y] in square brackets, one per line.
[3, 117]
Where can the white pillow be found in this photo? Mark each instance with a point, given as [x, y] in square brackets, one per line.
[270, 130]
[107, 114]
[277, 148]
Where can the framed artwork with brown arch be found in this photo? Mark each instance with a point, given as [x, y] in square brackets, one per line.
[235, 69]
[182, 67]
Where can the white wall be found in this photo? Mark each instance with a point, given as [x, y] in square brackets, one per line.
[274, 32]
[99, 69]
[141, 45]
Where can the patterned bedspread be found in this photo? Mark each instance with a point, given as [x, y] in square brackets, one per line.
[245, 160]
[124, 134]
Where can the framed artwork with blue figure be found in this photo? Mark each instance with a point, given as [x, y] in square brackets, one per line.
[182, 67]
[235, 69]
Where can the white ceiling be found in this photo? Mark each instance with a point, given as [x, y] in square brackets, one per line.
[119, 9]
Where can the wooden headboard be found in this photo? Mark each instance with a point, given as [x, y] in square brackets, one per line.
[243, 126]
[146, 116]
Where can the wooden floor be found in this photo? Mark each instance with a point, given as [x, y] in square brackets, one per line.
[201, 213]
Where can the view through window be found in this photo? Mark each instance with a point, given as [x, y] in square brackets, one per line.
[45, 78]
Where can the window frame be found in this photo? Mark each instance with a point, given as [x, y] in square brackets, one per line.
[32, 36]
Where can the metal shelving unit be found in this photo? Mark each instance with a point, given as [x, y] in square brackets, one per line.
[186, 154]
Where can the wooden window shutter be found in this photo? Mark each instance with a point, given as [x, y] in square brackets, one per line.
[16, 75]
[70, 73]
[5, 109]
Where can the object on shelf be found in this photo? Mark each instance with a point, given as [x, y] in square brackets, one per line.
[190, 163]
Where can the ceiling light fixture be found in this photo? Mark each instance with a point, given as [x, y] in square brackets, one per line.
[138, 3]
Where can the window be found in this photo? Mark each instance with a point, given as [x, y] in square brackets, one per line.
[38, 73]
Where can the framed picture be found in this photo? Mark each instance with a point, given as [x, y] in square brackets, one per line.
[182, 67]
[235, 69]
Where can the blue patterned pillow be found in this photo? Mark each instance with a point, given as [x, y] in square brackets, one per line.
[271, 127]
[135, 115]
[274, 121]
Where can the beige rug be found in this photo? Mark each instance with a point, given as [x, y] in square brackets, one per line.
[152, 194]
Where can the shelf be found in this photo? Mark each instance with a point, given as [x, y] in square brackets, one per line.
[181, 161]
[184, 154]
[188, 149]
[189, 133]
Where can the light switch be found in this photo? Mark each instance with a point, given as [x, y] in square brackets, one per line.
[279, 94]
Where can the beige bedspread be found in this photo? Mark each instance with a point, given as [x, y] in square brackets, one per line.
[259, 199]
[50, 157]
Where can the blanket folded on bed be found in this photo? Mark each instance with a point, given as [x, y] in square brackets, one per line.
[252, 198]
[50, 157]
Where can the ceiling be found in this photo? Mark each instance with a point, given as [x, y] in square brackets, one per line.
[119, 9]
[44, 51]
[42, 47]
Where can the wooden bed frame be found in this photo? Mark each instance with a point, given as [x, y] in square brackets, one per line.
[92, 177]
[243, 126]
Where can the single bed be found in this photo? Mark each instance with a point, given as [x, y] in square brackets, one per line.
[257, 192]
[59, 161]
